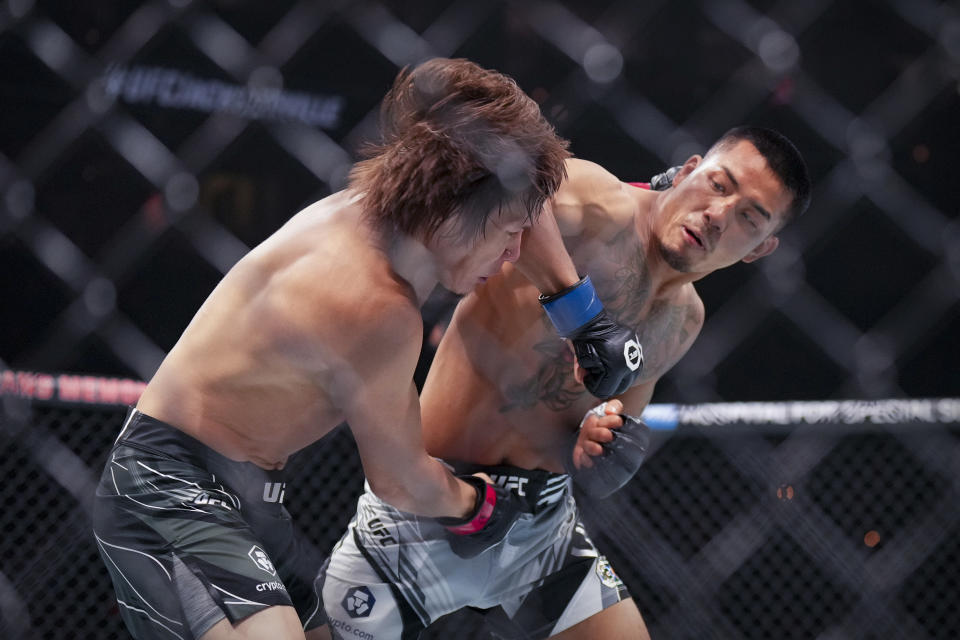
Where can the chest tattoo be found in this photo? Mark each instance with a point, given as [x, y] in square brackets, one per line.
[664, 328]
[552, 384]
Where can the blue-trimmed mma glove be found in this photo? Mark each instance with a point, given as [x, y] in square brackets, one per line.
[619, 461]
[663, 181]
[610, 354]
[494, 513]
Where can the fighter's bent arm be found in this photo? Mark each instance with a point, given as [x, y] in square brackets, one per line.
[381, 405]
[609, 353]
[396, 463]
[544, 259]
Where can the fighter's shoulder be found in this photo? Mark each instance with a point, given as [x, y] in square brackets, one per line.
[591, 195]
[384, 331]
[377, 306]
[377, 330]
[588, 180]
[346, 301]
[669, 336]
[696, 312]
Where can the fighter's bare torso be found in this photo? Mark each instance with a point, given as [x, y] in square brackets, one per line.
[502, 389]
[293, 310]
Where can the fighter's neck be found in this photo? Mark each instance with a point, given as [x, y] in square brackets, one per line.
[413, 262]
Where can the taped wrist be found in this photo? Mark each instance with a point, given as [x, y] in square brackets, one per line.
[573, 307]
[478, 517]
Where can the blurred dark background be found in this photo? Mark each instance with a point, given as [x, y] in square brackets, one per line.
[145, 146]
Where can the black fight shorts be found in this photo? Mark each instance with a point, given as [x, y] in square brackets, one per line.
[190, 537]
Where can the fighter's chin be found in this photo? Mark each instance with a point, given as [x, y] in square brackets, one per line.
[677, 260]
[464, 284]
[481, 280]
[460, 288]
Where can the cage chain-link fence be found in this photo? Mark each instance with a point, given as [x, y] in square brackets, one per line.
[740, 525]
[145, 146]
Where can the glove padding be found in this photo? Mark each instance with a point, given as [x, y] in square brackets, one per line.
[609, 353]
[663, 181]
[494, 513]
[619, 461]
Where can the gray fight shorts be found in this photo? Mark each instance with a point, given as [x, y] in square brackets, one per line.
[393, 573]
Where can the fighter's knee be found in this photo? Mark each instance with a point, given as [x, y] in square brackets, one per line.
[320, 633]
[272, 623]
[621, 621]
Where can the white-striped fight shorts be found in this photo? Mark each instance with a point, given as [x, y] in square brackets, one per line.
[393, 573]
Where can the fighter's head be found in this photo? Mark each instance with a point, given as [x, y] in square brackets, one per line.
[783, 159]
[459, 143]
[729, 205]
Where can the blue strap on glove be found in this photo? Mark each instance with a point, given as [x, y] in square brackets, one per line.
[610, 354]
[573, 307]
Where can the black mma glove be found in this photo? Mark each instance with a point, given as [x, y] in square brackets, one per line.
[610, 354]
[619, 461]
[494, 513]
[663, 181]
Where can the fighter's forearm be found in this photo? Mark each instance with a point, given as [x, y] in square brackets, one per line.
[425, 488]
[544, 259]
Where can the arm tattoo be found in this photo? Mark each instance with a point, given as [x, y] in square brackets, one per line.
[664, 326]
[552, 384]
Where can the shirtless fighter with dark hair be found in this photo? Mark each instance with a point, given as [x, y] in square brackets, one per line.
[320, 324]
[504, 396]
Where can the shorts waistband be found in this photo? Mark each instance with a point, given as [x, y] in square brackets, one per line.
[146, 432]
[539, 487]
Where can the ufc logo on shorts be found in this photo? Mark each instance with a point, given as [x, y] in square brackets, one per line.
[513, 483]
[380, 530]
[273, 491]
[204, 498]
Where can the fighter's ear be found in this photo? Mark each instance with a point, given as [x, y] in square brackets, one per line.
[687, 168]
[765, 248]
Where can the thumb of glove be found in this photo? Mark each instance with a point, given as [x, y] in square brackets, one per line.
[587, 357]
